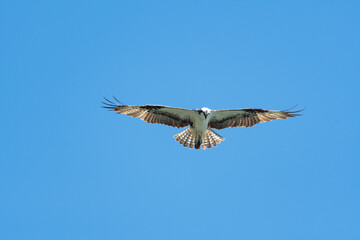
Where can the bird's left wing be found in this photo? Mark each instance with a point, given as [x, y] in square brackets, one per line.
[175, 117]
[246, 117]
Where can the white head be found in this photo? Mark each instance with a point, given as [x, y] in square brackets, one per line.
[206, 110]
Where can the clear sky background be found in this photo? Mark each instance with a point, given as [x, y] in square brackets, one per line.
[71, 170]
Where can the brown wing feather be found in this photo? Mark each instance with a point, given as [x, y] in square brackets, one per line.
[175, 117]
[246, 117]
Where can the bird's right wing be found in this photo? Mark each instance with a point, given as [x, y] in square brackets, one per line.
[174, 117]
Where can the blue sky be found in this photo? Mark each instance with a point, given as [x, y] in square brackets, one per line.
[71, 170]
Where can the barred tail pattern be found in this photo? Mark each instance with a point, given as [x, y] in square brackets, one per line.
[187, 139]
[211, 138]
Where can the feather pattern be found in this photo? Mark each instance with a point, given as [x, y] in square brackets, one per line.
[246, 117]
[175, 117]
[201, 121]
[187, 139]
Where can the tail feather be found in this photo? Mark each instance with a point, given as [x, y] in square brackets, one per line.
[217, 137]
[206, 142]
[192, 142]
[187, 139]
[184, 138]
[211, 139]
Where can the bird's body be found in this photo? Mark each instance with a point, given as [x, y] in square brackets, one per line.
[200, 125]
[201, 121]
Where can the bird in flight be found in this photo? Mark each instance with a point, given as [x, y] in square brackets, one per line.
[201, 121]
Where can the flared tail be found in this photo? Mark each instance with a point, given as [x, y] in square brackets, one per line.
[187, 139]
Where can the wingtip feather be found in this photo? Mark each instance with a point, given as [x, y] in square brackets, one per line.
[111, 105]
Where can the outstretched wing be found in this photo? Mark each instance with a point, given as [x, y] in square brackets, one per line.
[175, 117]
[246, 117]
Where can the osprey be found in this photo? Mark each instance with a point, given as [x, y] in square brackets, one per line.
[201, 121]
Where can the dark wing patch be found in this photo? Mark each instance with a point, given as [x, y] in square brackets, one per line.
[247, 117]
[175, 117]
